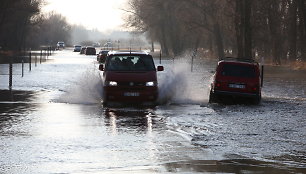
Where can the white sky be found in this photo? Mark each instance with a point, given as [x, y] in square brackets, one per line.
[104, 15]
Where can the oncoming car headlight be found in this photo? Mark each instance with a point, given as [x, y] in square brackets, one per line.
[150, 83]
[111, 83]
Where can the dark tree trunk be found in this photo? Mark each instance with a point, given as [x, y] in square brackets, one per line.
[292, 35]
[302, 27]
[239, 18]
[4, 4]
[248, 29]
[302, 7]
[243, 28]
[274, 25]
[218, 40]
[165, 50]
[163, 41]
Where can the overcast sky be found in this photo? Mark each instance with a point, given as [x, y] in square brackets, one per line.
[104, 15]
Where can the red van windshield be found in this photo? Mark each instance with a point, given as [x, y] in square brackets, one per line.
[130, 63]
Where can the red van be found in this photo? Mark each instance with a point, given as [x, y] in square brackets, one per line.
[129, 77]
[236, 79]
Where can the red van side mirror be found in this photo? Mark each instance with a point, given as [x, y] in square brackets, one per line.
[160, 68]
[101, 67]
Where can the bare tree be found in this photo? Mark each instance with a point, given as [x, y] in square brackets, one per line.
[301, 7]
[292, 33]
[243, 28]
[274, 29]
[48, 30]
[205, 16]
[15, 20]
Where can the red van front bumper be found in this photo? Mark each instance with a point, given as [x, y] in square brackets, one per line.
[131, 95]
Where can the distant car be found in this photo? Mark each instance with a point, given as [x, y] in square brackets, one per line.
[83, 50]
[130, 77]
[60, 45]
[101, 57]
[236, 79]
[90, 51]
[77, 48]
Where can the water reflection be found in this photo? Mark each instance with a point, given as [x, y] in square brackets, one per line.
[14, 106]
[12, 114]
[129, 119]
[17, 96]
[133, 133]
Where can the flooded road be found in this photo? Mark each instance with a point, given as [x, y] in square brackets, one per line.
[54, 122]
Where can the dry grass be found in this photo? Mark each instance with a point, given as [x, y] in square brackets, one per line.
[298, 65]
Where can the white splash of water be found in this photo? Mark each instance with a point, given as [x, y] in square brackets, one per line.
[178, 85]
[87, 90]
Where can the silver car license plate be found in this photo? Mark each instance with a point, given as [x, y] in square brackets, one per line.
[239, 86]
[131, 94]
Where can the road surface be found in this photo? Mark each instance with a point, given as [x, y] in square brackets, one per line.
[55, 123]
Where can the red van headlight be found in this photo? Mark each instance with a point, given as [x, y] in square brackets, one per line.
[110, 83]
[151, 83]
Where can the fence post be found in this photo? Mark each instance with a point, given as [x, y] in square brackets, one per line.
[160, 56]
[40, 56]
[46, 55]
[22, 67]
[30, 61]
[35, 60]
[11, 74]
[194, 54]
[192, 63]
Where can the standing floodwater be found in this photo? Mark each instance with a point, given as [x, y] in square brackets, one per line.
[55, 123]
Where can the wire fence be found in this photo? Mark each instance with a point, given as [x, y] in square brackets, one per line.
[27, 59]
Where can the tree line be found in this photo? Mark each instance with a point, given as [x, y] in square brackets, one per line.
[274, 29]
[24, 26]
